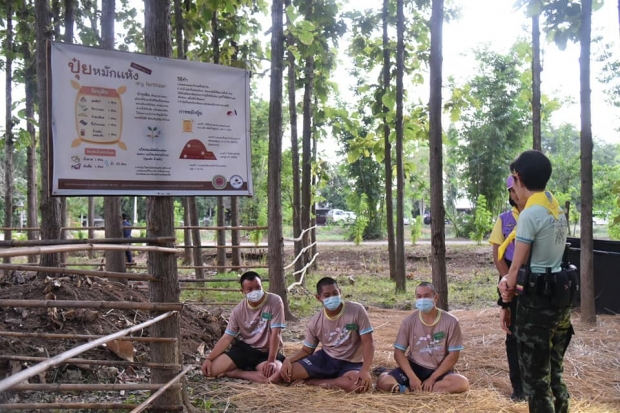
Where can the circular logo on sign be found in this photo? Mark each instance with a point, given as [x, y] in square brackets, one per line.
[236, 181]
[219, 182]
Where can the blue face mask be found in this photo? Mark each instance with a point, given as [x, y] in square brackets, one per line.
[332, 303]
[255, 296]
[425, 304]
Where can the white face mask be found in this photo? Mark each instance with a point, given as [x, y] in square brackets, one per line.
[255, 296]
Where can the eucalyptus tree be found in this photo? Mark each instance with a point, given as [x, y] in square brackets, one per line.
[276, 246]
[586, 259]
[571, 20]
[50, 206]
[160, 211]
[533, 10]
[26, 37]
[9, 52]
[438, 237]
[114, 259]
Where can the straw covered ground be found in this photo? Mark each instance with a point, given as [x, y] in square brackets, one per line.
[592, 371]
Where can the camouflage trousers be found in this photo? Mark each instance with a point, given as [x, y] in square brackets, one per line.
[543, 334]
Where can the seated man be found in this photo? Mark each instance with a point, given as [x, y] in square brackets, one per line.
[344, 330]
[257, 323]
[434, 341]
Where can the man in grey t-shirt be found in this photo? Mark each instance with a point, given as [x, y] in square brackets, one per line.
[255, 331]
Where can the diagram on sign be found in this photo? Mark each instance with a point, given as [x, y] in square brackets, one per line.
[195, 149]
[98, 115]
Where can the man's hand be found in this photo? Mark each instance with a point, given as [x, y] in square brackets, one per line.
[415, 384]
[429, 384]
[268, 368]
[506, 292]
[206, 368]
[364, 381]
[287, 370]
[504, 319]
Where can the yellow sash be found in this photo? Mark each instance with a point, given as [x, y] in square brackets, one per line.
[544, 199]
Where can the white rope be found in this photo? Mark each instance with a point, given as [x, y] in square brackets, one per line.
[299, 255]
[300, 235]
[303, 271]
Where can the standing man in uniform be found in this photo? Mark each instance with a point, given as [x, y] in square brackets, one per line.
[543, 327]
[503, 252]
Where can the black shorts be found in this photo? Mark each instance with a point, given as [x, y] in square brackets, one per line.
[321, 365]
[423, 373]
[247, 357]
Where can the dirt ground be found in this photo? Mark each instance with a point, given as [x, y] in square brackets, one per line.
[592, 364]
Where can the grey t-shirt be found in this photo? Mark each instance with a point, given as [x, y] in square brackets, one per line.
[548, 234]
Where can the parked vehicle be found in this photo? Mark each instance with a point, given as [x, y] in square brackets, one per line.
[321, 215]
[338, 215]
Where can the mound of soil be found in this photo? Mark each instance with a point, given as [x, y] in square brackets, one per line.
[200, 328]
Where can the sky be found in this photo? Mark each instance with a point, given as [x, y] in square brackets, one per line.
[496, 23]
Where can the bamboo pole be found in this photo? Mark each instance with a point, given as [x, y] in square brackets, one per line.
[207, 280]
[224, 228]
[168, 366]
[40, 242]
[14, 252]
[101, 274]
[80, 406]
[117, 305]
[58, 387]
[159, 392]
[191, 267]
[228, 246]
[51, 336]
[210, 289]
[60, 358]
[210, 303]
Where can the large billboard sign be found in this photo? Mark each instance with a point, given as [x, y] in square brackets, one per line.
[131, 124]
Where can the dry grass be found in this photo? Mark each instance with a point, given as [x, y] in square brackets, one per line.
[591, 370]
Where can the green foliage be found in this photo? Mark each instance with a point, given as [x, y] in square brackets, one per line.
[494, 127]
[415, 229]
[257, 236]
[614, 225]
[361, 221]
[483, 220]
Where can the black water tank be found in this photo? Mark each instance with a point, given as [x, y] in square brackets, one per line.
[606, 273]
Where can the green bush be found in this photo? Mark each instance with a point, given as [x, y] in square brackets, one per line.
[416, 229]
[483, 221]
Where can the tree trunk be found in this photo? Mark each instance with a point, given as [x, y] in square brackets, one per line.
[187, 235]
[196, 241]
[292, 111]
[588, 312]
[274, 193]
[306, 167]
[69, 20]
[313, 211]
[536, 69]
[8, 124]
[50, 207]
[401, 285]
[56, 18]
[389, 205]
[91, 222]
[160, 223]
[235, 236]
[438, 236]
[114, 260]
[221, 235]
[31, 154]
